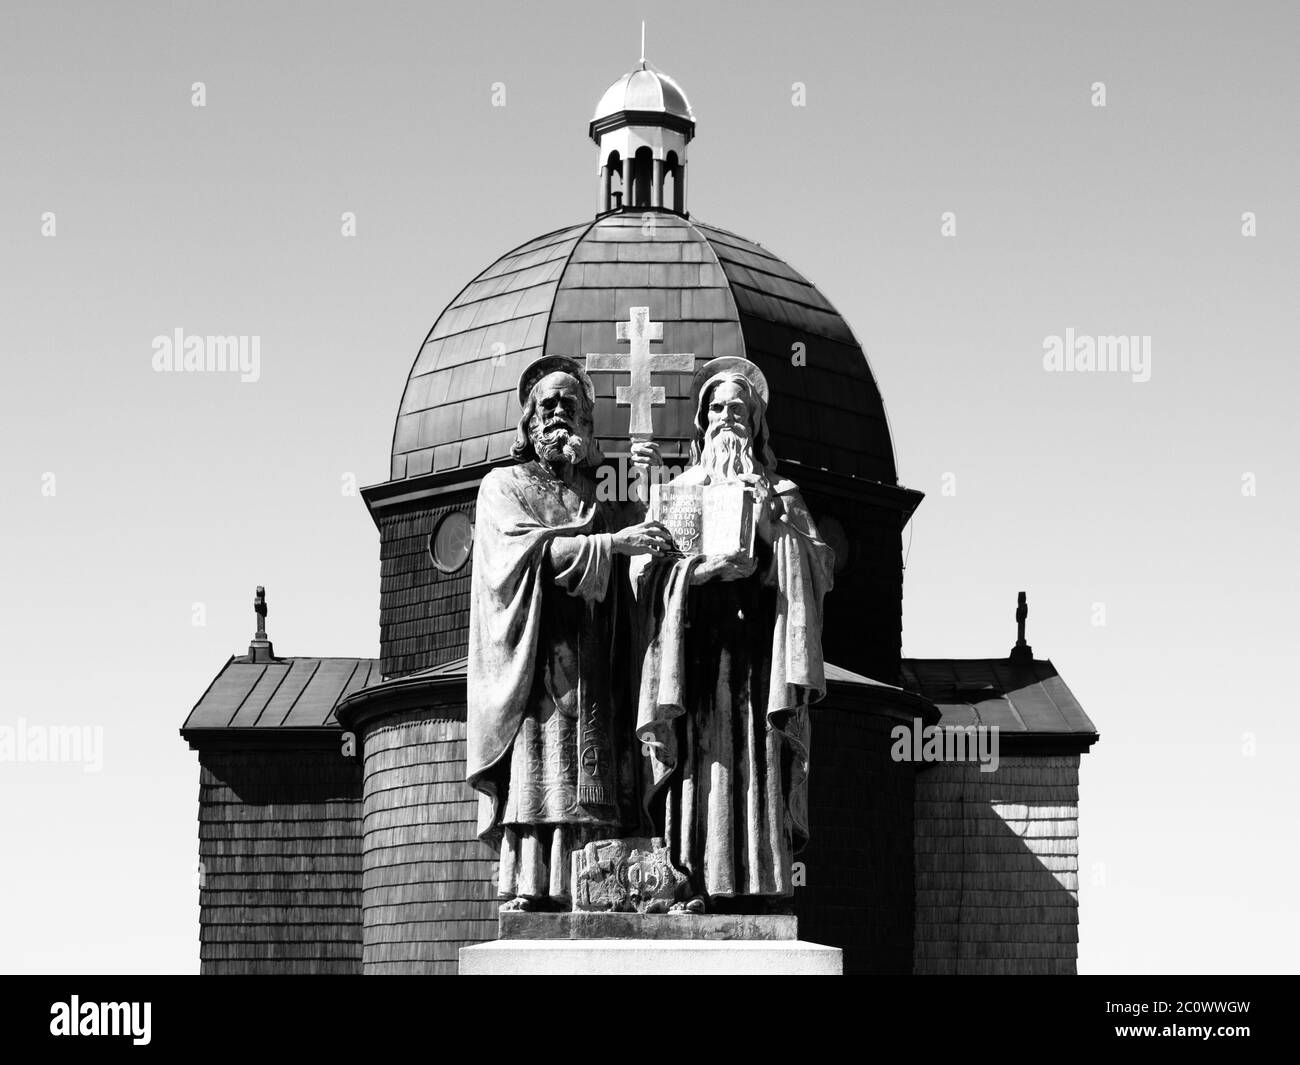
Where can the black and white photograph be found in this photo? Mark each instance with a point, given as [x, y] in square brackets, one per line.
[695, 489]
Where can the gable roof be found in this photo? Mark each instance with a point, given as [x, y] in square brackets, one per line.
[1027, 697]
[286, 693]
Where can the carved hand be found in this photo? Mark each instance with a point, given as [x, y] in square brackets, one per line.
[644, 457]
[647, 538]
[768, 507]
[645, 453]
[723, 568]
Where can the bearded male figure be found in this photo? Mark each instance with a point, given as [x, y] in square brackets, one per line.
[730, 658]
[549, 714]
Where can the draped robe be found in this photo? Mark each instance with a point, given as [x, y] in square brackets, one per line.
[727, 672]
[549, 721]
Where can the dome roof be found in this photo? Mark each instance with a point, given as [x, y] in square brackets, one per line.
[715, 293]
[644, 89]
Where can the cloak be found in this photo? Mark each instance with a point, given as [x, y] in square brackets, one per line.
[728, 670]
[520, 512]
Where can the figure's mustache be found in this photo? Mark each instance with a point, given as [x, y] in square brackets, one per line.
[553, 432]
[554, 425]
[557, 440]
[737, 429]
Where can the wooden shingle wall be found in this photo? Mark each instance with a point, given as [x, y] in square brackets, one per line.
[862, 628]
[858, 890]
[997, 867]
[429, 884]
[280, 854]
[423, 613]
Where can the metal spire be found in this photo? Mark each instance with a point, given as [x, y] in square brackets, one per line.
[260, 649]
[1022, 652]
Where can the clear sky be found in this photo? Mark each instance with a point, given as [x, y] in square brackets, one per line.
[173, 492]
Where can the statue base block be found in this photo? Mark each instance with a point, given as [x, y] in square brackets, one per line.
[580, 925]
[650, 957]
[613, 944]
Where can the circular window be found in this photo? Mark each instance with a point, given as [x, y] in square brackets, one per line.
[451, 540]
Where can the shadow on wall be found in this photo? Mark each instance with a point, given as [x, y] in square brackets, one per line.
[997, 868]
[858, 893]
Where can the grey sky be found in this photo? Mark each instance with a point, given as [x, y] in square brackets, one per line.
[182, 489]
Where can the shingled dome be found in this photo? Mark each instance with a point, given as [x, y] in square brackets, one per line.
[644, 89]
[715, 293]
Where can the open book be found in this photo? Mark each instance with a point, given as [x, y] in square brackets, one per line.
[712, 519]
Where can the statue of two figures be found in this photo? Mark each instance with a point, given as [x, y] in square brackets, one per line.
[637, 718]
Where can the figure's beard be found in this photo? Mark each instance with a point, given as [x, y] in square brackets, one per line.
[728, 452]
[559, 443]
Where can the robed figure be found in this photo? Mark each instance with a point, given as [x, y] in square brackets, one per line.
[730, 658]
[550, 741]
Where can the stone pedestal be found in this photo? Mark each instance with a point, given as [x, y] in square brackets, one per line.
[650, 957]
[715, 926]
[616, 944]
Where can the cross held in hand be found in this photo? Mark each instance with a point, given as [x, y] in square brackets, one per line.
[641, 395]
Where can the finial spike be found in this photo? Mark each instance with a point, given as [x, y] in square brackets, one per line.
[1022, 652]
[643, 40]
[260, 650]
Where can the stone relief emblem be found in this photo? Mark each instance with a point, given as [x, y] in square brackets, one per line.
[626, 876]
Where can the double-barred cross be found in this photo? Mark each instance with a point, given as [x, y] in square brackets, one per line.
[641, 395]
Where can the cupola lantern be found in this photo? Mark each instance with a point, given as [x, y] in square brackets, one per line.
[641, 128]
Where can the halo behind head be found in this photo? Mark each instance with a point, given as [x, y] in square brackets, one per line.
[549, 364]
[730, 364]
[725, 366]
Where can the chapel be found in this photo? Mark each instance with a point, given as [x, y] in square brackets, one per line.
[336, 829]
